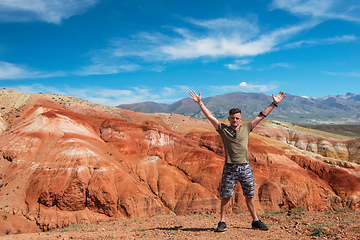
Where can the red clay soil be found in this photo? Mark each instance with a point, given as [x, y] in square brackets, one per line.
[296, 225]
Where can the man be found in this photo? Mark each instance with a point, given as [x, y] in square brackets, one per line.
[235, 139]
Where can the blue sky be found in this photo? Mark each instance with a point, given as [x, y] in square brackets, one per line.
[116, 52]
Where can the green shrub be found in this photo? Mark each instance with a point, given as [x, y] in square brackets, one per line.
[299, 210]
[318, 231]
[71, 227]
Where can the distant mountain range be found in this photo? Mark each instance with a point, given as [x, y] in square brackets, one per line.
[339, 109]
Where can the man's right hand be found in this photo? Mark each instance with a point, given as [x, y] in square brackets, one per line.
[195, 97]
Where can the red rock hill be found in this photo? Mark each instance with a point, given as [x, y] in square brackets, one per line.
[64, 160]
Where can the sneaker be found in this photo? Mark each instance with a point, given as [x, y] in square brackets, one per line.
[258, 225]
[221, 227]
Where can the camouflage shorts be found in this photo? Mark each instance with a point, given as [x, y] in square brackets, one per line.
[234, 173]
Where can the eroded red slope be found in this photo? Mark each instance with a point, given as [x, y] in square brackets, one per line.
[76, 163]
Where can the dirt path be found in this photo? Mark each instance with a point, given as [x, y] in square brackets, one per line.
[299, 225]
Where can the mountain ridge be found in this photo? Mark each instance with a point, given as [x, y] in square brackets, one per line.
[339, 109]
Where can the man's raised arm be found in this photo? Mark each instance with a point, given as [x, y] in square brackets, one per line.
[207, 113]
[276, 100]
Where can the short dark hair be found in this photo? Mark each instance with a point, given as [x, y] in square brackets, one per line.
[234, 111]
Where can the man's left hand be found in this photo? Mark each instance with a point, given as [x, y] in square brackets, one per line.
[279, 97]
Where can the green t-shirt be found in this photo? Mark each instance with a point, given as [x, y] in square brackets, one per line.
[235, 142]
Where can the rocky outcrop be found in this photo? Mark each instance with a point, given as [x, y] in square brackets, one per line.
[286, 178]
[14, 224]
[344, 150]
[59, 167]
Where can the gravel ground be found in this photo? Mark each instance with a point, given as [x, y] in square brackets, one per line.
[295, 225]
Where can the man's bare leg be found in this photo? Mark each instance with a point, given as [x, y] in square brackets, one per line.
[225, 202]
[250, 203]
[255, 224]
[224, 207]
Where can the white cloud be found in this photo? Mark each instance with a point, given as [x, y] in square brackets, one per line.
[219, 40]
[355, 74]
[50, 11]
[243, 84]
[344, 38]
[210, 39]
[333, 40]
[104, 69]
[112, 97]
[16, 71]
[11, 71]
[242, 64]
[239, 64]
[256, 88]
[244, 87]
[176, 90]
[344, 74]
[322, 9]
[242, 28]
[37, 88]
[304, 7]
[143, 45]
[282, 65]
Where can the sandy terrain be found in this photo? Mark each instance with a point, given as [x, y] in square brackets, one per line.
[296, 225]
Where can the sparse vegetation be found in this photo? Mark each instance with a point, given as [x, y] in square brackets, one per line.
[4, 217]
[343, 209]
[139, 229]
[318, 231]
[237, 211]
[329, 212]
[313, 225]
[156, 214]
[337, 131]
[270, 213]
[71, 228]
[298, 210]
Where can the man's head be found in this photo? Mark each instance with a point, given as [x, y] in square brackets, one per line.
[235, 117]
[234, 111]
